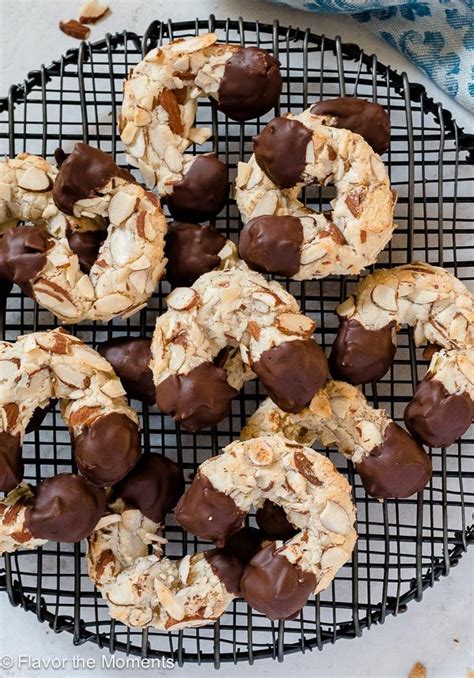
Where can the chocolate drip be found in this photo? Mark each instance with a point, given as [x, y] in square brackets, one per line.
[198, 399]
[292, 373]
[227, 568]
[272, 520]
[86, 244]
[130, 359]
[274, 586]
[82, 173]
[437, 417]
[360, 355]
[202, 192]
[398, 467]
[251, 84]
[191, 250]
[23, 253]
[11, 463]
[272, 244]
[363, 117]
[154, 486]
[65, 508]
[208, 513]
[107, 449]
[280, 151]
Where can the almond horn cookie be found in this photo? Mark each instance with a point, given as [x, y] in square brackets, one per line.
[226, 328]
[63, 508]
[159, 110]
[94, 250]
[144, 589]
[441, 310]
[315, 497]
[281, 235]
[104, 429]
[388, 460]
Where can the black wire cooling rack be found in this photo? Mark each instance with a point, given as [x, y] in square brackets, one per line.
[404, 545]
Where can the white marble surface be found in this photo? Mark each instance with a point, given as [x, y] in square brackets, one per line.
[438, 631]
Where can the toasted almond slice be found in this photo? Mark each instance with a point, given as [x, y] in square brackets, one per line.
[184, 568]
[129, 133]
[423, 296]
[199, 135]
[5, 191]
[35, 180]
[334, 557]
[177, 356]
[312, 253]
[183, 299]
[167, 99]
[74, 29]
[458, 329]
[378, 168]
[384, 296]
[347, 308]
[121, 206]
[173, 159]
[111, 304]
[173, 606]
[244, 171]
[310, 157]
[295, 323]
[369, 434]
[194, 44]
[266, 205]
[466, 365]
[335, 519]
[260, 453]
[92, 11]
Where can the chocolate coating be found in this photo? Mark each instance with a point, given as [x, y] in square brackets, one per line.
[274, 586]
[272, 244]
[292, 373]
[65, 508]
[437, 417]
[251, 84]
[82, 173]
[22, 253]
[359, 355]
[228, 568]
[363, 117]
[86, 245]
[202, 192]
[280, 151]
[107, 449]
[130, 359]
[198, 399]
[208, 513]
[154, 486]
[38, 416]
[398, 467]
[191, 250]
[244, 544]
[273, 522]
[12, 468]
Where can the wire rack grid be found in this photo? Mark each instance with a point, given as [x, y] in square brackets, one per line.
[404, 545]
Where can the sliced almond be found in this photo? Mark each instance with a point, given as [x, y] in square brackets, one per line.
[466, 365]
[141, 117]
[167, 99]
[423, 296]
[35, 180]
[173, 606]
[137, 148]
[335, 519]
[177, 356]
[139, 280]
[334, 557]
[183, 299]
[173, 159]
[184, 568]
[5, 191]
[295, 323]
[260, 453]
[111, 304]
[92, 11]
[458, 329]
[378, 168]
[243, 174]
[384, 296]
[310, 157]
[266, 205]
[254, 329]
[347, 308]
[312, 253]
[8, 369]
[121, 206]
[194, 44]
[74, 29]
[369, 434]
[199, 135]
[129, 133]
[320, 405]
[305, 467]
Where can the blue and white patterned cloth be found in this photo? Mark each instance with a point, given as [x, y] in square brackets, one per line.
[436, 35]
